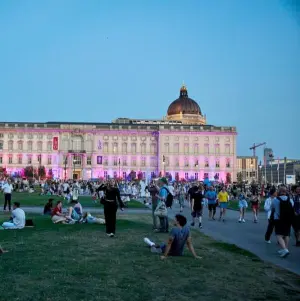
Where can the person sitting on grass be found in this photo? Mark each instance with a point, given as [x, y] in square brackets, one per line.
[75, 212]
[48, 207]
[57, 216]
[89, 219]
[17, 220]
[179, 236]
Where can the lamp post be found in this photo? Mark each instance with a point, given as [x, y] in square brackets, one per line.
[260, 173]
[74, 162]
[271, 156]
[40, 163]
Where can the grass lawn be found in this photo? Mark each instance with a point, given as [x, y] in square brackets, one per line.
[78, 262]
[34, 199]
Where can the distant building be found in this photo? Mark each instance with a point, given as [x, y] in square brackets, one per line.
[180, 145]
[276, 173]
[267, 152]
[247, 167]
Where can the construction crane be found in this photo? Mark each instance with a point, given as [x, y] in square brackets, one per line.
[255, 146]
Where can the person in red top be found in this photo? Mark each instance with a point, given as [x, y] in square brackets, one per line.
[57, 216]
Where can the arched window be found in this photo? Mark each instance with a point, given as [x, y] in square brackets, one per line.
[133, 148]
[40, 146]
[153, 148]
[10, 145]
[105, 147]
[143, 148]
[77, 143]
[196, 148]
[49, 146]
[124, 147]
[115, 147]
[29, 146]
[20, 145]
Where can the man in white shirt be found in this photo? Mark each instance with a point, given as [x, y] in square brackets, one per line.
[7, 190]
[18, 219]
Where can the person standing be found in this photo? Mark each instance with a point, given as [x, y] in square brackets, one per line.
[162, 197]
[243, 205]
[223, 201]
[111, 201]
[7, 190]
[153, 192]
[255, 203]
[270, 214]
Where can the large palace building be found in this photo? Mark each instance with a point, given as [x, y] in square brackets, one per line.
[180, 145]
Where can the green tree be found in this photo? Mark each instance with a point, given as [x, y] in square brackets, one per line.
[28, 172]
[41, 172]
[240, 178]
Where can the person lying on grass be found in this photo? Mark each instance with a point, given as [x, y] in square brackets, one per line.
[2, 251]
[179, 236]
[89, 219]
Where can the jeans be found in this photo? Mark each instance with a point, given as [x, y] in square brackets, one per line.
[154, 218]
[110, 214]
[8, 225]
[7, 201]
[164, 224]
[270, 229]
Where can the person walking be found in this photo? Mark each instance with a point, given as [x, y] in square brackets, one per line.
[197, 206]
[211, 197]
[255, 203]
[270, 214]
[110, 202]
[7, 190]
[283, 216]
[296, 220]
[162, 197]
[223, 198]
[243, 205]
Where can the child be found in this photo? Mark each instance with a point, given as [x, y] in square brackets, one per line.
[89, 219]
[242, 205]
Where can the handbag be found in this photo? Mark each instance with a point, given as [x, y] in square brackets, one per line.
[161, 210]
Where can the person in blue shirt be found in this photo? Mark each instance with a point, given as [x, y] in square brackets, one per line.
[179, 236]
[211, 197]
[162, 196]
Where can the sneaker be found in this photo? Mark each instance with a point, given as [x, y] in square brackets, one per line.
[240, 220]
[280, 251]
[284, 253]
[111, 235]
[156, 250]
[243, 221]
[200, 226]
[255, 221]
[268, 241]
[192, 224]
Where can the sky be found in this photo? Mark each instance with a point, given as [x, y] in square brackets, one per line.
[97, 60]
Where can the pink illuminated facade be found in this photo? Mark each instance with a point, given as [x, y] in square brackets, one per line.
[99, 150]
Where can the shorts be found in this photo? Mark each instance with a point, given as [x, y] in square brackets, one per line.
[282, 228]
[75, 216]
[243, 204]
[254, 207]
[212, 207]
[196, 213]
[223, 205]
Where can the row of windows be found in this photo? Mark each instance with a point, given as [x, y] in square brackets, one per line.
[133, 148]
[195, 148]
[20, 145]
[20, 159]
[21, 136]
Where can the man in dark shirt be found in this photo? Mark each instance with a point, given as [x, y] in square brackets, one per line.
[296, 221]
[197, 206]
[179, 236]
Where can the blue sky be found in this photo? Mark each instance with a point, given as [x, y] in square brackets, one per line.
[70, 60]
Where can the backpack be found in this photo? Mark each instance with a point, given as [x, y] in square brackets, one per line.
[286, 210]
[169, 199]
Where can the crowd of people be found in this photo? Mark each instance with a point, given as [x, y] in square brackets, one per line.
[282, 206]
